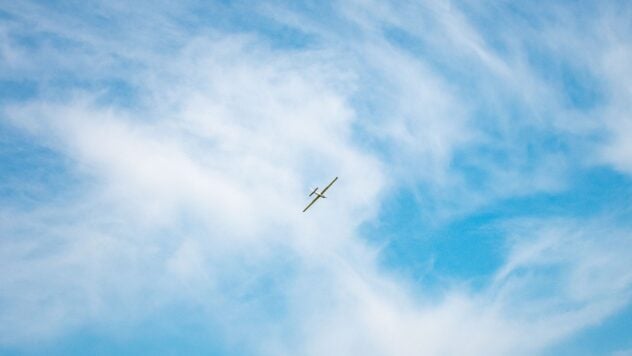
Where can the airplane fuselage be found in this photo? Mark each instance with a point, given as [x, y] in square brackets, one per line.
[315, 191]
[319, 195]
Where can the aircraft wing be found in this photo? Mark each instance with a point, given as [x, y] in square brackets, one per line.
[329, 185]
[312, 203]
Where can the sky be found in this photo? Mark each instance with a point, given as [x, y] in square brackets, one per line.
[155, 157]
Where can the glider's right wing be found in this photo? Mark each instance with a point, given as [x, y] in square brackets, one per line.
[329, 185]
[312, 203]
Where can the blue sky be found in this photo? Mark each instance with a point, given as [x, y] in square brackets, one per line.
[155, 159]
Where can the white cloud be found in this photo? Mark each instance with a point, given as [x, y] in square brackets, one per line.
[228, 147]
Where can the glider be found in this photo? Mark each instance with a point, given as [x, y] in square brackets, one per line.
[319, 195]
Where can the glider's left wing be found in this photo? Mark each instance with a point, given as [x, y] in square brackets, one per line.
[312, 203]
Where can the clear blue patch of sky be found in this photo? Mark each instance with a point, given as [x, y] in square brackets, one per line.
[31, 173]
[17, 90]
[39, 40]
[5, 15]
[521, 152]
[112, 92]
[471, 247]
